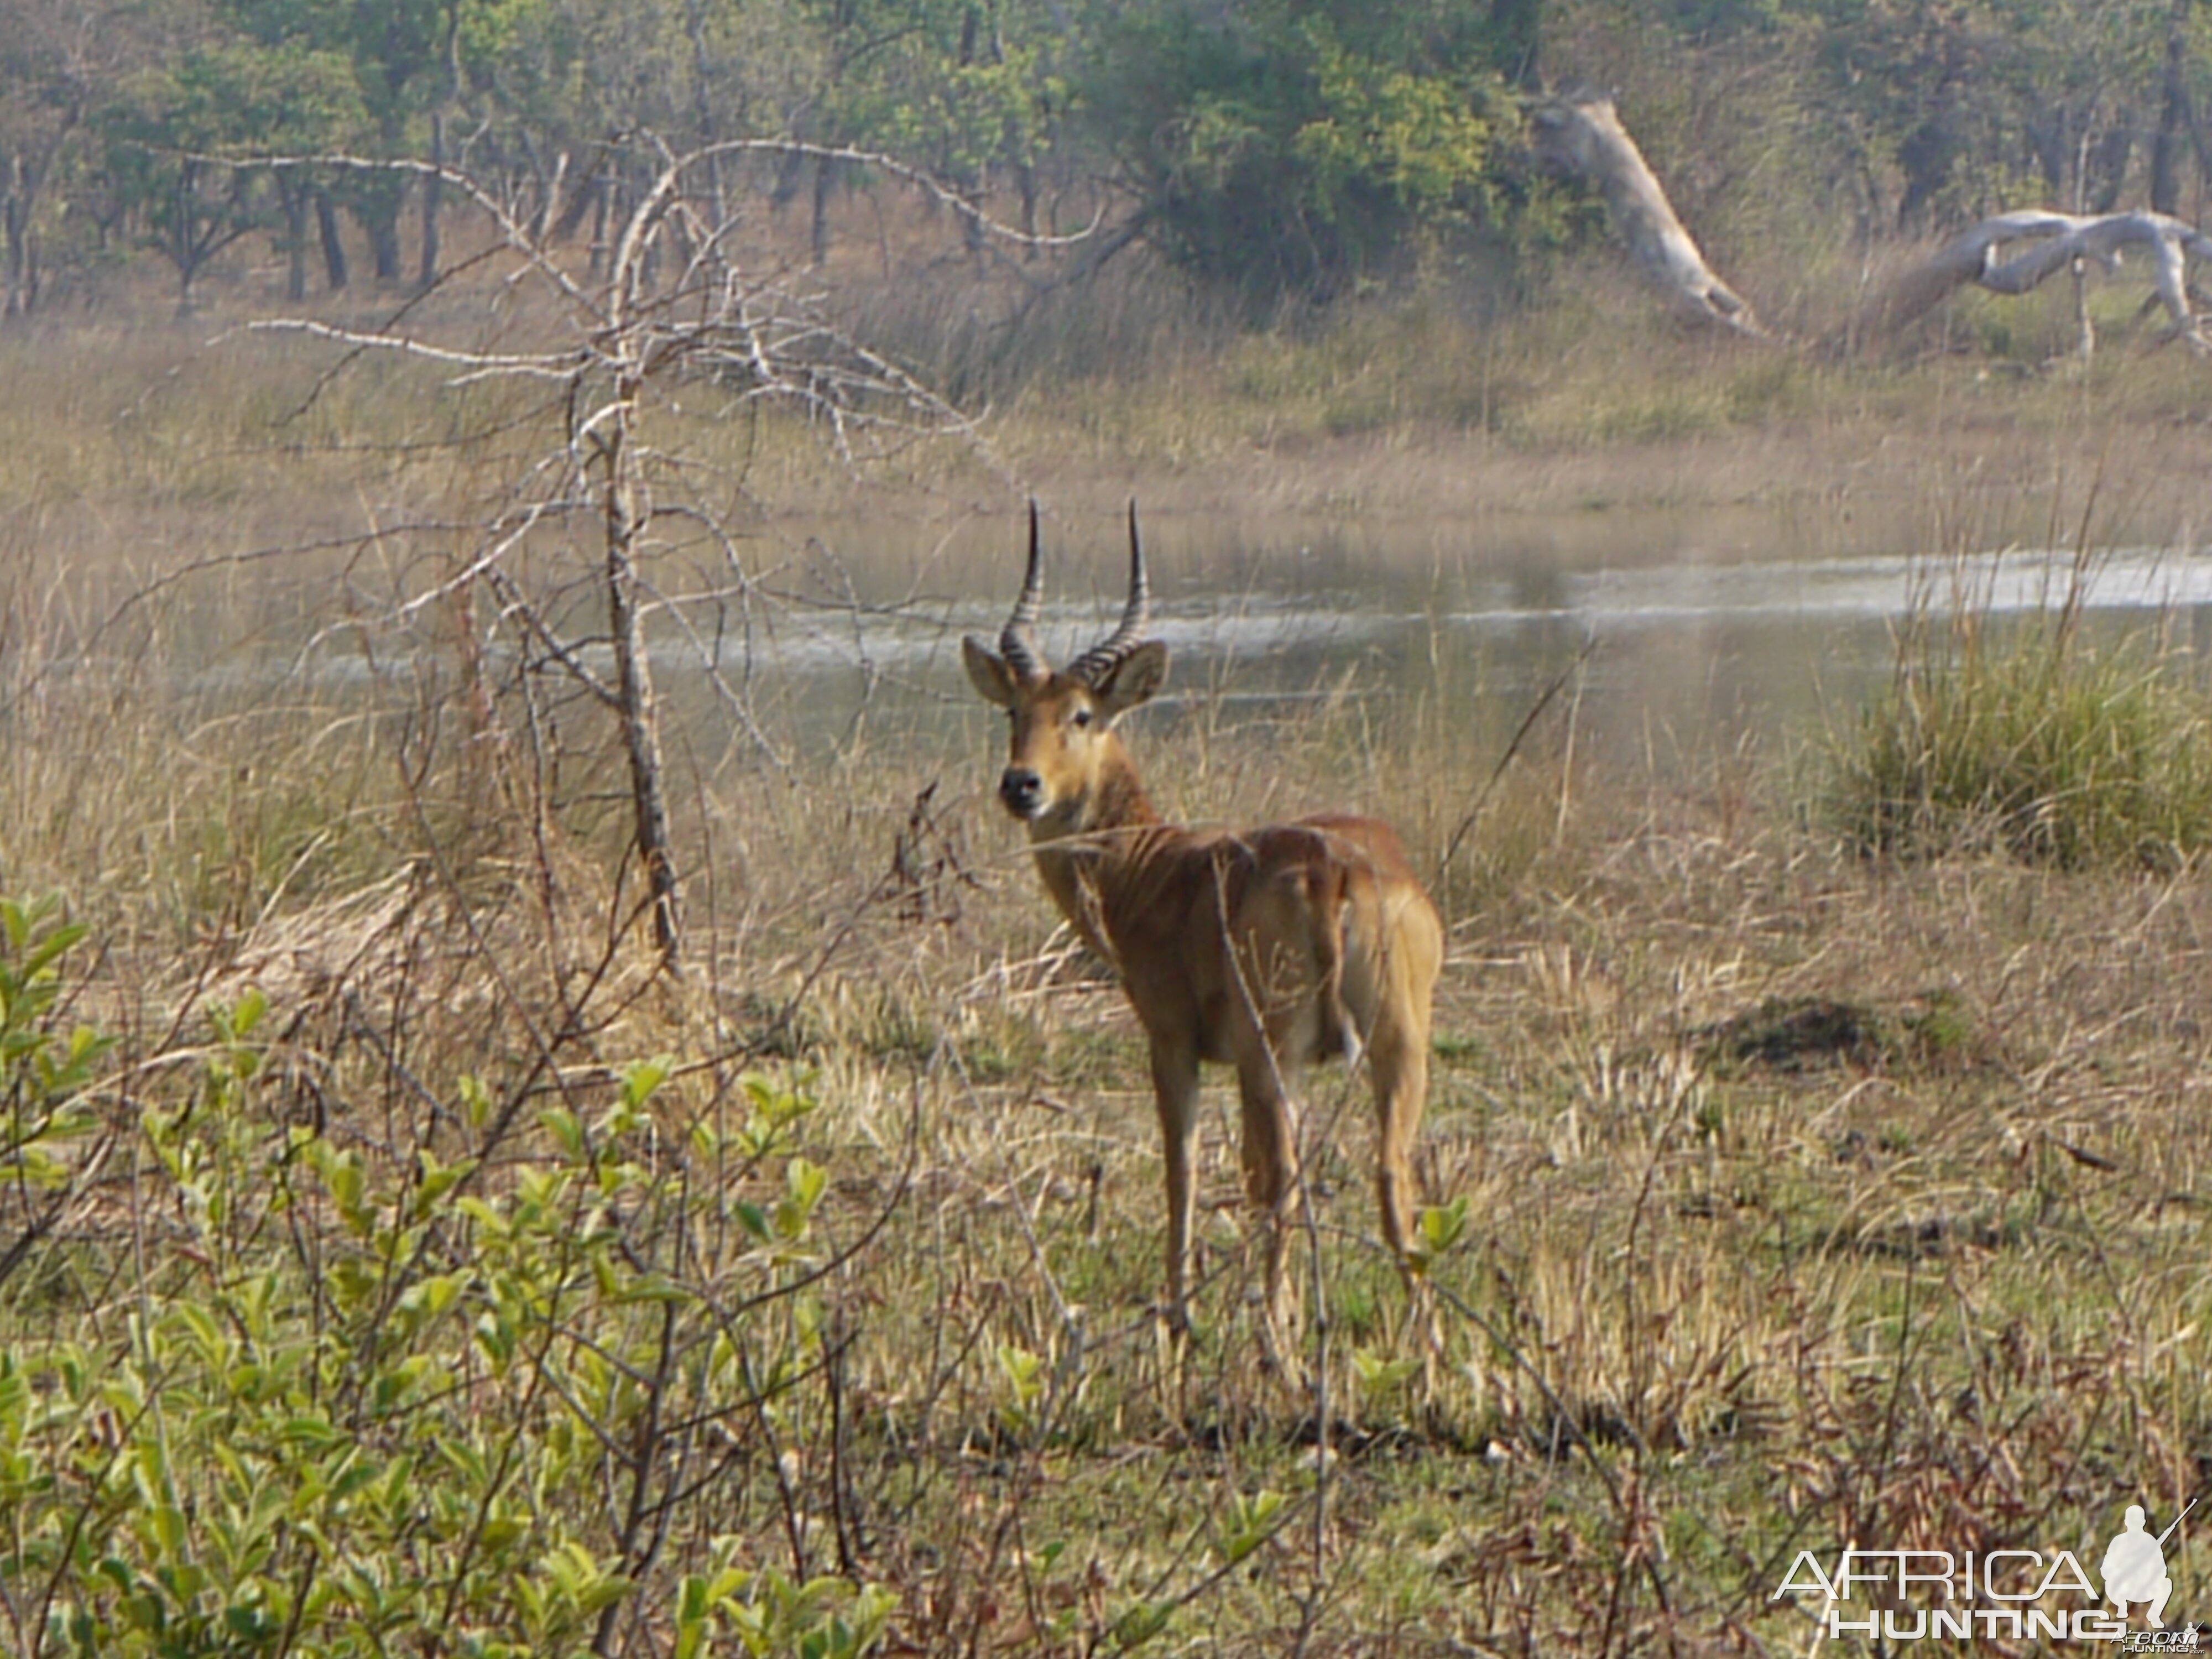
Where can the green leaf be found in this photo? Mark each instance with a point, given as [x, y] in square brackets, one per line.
[51, 949]
[1442, 1226]
[1140, 1623]
[1380, 1374]
[433, 1295]
[567, 1131]
[1250, 1524]
[641, 1079]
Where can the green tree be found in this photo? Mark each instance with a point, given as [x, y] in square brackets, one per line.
[960, 88]
[1978, 104]
[42, 96]
[1285, 146]
[182, 140]
[320, 111]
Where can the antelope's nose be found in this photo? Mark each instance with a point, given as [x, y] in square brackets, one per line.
[1023, 791]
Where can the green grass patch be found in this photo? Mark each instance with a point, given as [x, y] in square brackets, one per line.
[2032, 739]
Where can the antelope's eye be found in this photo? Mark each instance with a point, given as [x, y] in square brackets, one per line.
[1082, 717]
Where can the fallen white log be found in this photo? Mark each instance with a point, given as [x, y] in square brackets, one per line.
[2057, 241]
[1582, 135]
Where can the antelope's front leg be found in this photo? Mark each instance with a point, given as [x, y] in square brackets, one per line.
[1175, 1088]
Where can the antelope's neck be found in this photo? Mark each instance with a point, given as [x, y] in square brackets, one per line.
[1088, 860]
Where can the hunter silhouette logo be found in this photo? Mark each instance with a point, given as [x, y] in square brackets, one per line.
[2135, 1566]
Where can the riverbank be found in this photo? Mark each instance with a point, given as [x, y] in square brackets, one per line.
[1594, 405]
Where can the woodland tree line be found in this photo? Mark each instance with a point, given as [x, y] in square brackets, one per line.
[1272, 149]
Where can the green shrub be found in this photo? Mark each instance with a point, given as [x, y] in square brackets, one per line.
[2033, 740]
[477, 1387]
[44, 1071]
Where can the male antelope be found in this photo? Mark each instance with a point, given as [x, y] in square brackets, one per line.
[1267, 948]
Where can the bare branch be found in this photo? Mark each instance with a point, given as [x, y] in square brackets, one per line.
[621, 334]
[676, 165]
[548, 366]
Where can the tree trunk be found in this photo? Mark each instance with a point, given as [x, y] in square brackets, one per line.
[2107, 172]
[292, 197]
[2172, 116]
[825, 178]
[433, 186]
[384, 245]
[2048, 129]
[334, 253]
[588, 191]
[27, 173]
[602, 208]
[703, 83]
[23, 243]
[967, 181]
[635, 707]
[182, 241]
[790, 168]
[434, 195]
[542, 219]
[378, 198]
[1583, 135]
[650, 252]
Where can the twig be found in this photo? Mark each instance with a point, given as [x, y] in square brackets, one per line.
[1520, 736]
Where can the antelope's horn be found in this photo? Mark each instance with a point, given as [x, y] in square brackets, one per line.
[1017, 640]
[1130, 633]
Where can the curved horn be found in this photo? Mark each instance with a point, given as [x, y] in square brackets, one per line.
[1017, 639]
[1130, 633]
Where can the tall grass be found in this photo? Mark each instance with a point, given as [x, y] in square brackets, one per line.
[2031, 735]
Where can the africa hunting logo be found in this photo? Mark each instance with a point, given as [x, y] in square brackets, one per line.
[1937, 1595]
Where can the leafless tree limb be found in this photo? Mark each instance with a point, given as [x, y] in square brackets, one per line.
[2048, 243]
[1583, 136]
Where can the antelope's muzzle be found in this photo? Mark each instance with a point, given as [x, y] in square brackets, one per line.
[1022, 791]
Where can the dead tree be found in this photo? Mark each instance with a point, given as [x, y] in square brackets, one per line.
[1582, 136]
[2013, 252]
[665, 305]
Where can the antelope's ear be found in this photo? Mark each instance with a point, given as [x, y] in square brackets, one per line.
[1132, 680]
[987, 671]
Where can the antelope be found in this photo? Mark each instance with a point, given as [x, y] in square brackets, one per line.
[1267, 948]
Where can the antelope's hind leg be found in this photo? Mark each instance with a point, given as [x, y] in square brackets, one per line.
[1269, 1149]
[1175, 1090]
[1400, 1069]
[1398, 1065]
[1400, 1062]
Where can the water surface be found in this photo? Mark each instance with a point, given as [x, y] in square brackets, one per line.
[1699, 642]
[1708, 627]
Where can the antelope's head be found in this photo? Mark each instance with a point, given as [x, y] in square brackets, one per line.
[1065, 754]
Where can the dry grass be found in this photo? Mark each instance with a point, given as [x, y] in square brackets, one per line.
[1811, 1202]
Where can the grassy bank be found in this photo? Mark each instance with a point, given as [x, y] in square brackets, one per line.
[1435, 401]
[397, 1264]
